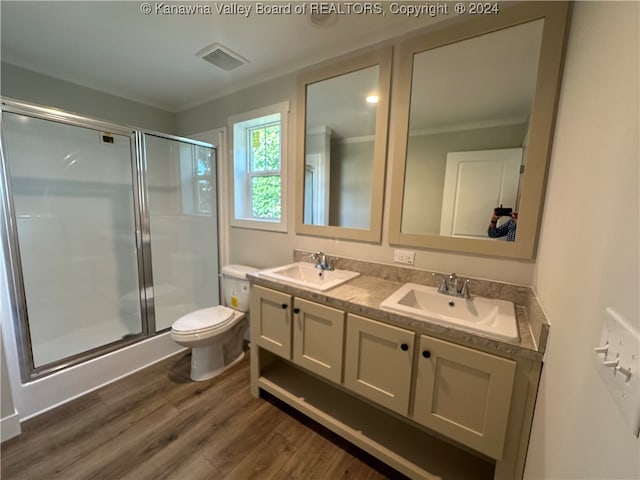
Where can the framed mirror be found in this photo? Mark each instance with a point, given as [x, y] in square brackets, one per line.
[474, 111]
[342, 142]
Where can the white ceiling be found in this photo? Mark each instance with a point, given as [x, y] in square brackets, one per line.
[114, 48]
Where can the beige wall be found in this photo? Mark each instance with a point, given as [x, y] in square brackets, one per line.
[589, 247]
[21, 84]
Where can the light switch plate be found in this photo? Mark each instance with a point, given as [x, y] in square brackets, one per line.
[618, 363]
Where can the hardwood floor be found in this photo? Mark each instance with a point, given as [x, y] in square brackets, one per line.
[158, 424]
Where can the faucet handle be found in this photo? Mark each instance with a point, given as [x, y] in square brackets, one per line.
[318, 257]
[330, 261]
[443, 284]
[465, 289]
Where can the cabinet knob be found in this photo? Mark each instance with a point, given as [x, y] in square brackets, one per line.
[426, 353]
[284, 305]
[404, 347]
[296, 310]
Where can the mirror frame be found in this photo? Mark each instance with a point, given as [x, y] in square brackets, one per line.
[542, 125]
[382, 58]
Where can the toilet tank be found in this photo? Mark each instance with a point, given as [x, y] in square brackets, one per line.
[235, 286]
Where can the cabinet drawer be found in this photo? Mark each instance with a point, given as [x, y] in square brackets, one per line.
[271, 320]
[464, 394]
[378, 361]
[318, 336]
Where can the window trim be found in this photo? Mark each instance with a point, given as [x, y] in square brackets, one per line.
[281, 108]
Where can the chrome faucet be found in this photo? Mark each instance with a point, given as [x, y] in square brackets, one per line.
[323, 262]
[449, 285]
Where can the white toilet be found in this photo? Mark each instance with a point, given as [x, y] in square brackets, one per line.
[215, 334]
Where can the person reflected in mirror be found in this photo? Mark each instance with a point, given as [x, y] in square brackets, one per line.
[506, 229]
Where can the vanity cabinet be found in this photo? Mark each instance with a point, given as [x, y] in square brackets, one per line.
[392, 391]
[308, 333]
[378, 360]
[464, 394]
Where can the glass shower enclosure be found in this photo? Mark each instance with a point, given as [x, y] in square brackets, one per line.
[111, 233]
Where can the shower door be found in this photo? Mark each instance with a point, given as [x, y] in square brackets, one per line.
[182, 212]
[73, 190]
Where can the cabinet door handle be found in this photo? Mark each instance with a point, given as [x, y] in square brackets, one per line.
[426, 353]
[404, 347]
[284, 305]
[296, 310]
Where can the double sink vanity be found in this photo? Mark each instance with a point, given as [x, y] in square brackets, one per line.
[437, 382]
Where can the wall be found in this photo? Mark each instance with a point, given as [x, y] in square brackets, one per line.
[26, 85]
[277, 248]
[589, 247]
[213, 114]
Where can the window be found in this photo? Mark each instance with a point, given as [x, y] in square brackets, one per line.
[259, 168]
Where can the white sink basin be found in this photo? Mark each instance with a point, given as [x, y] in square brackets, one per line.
[478, 314]
[307, 275]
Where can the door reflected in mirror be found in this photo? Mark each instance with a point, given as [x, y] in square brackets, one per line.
[339, 153]
[470, 108]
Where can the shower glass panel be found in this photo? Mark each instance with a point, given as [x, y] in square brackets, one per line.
[73, 200]
[181, 204]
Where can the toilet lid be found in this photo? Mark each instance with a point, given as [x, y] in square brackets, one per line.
[205, 319]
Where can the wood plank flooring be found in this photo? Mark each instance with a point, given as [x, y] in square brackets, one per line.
[158, 424]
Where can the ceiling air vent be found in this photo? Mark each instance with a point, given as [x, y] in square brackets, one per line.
[221, 57]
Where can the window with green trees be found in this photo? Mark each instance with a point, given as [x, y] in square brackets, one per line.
[265, 184]
[259, 168]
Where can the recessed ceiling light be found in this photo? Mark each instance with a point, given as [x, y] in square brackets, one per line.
[372, 99]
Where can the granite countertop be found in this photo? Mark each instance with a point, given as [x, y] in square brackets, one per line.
[363, 295]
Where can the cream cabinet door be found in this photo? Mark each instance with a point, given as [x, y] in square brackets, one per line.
[378, 361]
[464, 394]
[271, 320]
[318, 335]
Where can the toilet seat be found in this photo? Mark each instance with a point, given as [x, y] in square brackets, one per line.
[206, 320]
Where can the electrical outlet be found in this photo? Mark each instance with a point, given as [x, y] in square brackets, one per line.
[404, 256]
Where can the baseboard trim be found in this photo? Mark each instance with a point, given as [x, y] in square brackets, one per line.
[10, 427]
